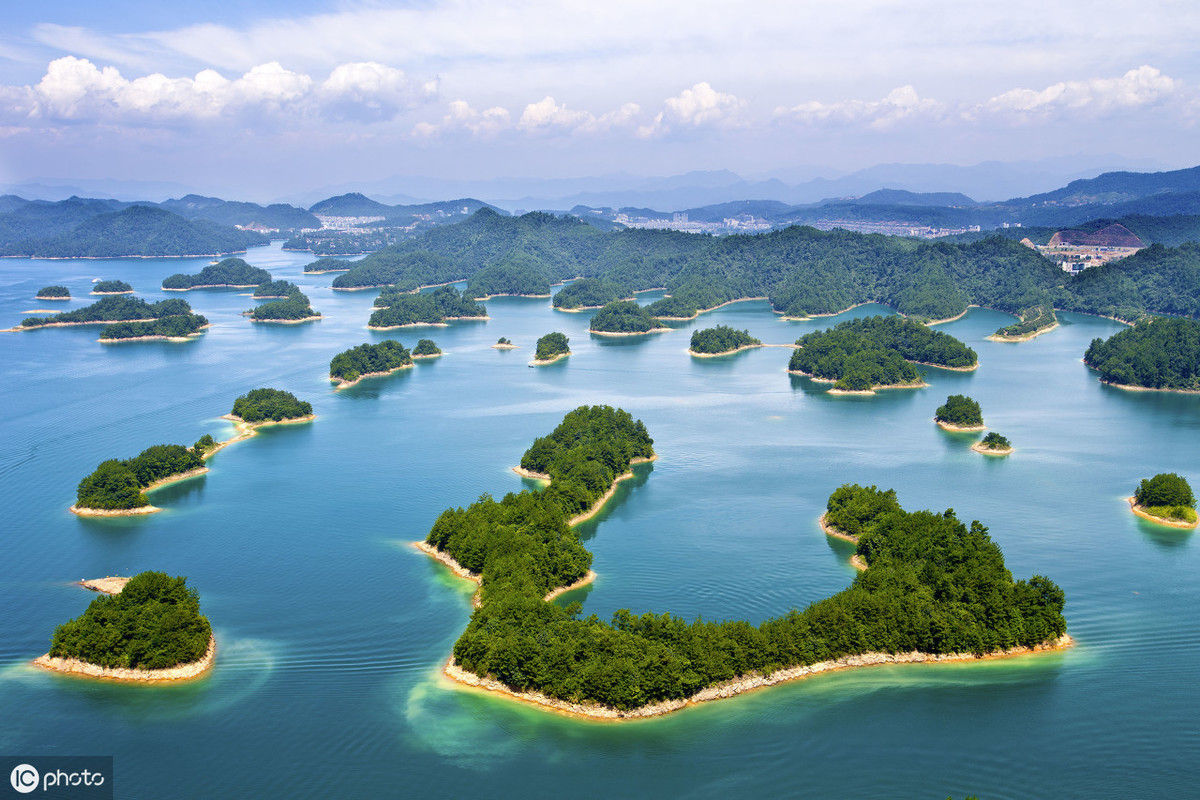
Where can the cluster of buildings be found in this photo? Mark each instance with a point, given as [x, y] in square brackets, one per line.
[742, 223]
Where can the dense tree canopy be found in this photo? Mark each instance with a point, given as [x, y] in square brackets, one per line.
[115, 308]
[175, 327]
[551, 345]
[994, 441]
[322, 265]
[230, 272]
[1157, 353]
[1165, 489]
[721, 339]
[261, 405]
[276, 289]
[111, 287]
[518, 274]
[116, 485]
[296, 307]
[959, 410]
[47, 292]
[589, 293]
[394, 308]
[369, 359]
[426, 347]
[623, 316]
[153, 623]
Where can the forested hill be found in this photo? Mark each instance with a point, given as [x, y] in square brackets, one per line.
[135, 231]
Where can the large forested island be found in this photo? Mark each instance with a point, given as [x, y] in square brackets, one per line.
[934, 588]
[624, 317]
[396, 309]
[1166, 498]
[151, 629]
[865, 354]
[174, 327]
[551, 348]
[230, 273]
[112, 287]
[117, 487]
[116, 308]
[367, 360]
[587, 293]
[294, 308]
[1156, 353]
[720, 340]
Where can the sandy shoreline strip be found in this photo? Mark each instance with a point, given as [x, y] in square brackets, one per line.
[544, 362]
[182, 672]
[872, 390]
[1171, 523]
[694, 354]
[949, 426]
[342, 384]
[971, 368]
[1129, 388]
[509, 346]
[629, 333]
[112, 584]
[987, 451]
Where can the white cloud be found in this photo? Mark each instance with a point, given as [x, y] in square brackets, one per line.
[545, 117]
[1144, 86]
[698, 107]
[76, 89]
[901, 103]
[546, 113]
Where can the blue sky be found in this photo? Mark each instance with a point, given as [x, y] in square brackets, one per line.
[261, 98]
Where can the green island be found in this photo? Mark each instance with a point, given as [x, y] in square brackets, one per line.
[588, 293]
[403, 268]
[176, 327]
[935, 590]
[368, 360]
[551, 348]
[270, 405]
[295, 308]
[231, 273]
[112, 287]
[624, 318]
[1156, 353]
[516, 276]
[1167, 499]
[55, 292]
[148, 629]
[324, 265]
[993, 445]
[959, 413]
[396, 309]
[504, 343]
[117, 487]
[426, 348]
[115, 308]
[721, 340]
[869, 353]
[1034, 322]
[275, 290]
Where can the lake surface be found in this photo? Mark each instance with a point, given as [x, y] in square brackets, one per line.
[332, 630]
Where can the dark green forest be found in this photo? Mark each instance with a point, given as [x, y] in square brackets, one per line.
[721, 339]
[868, 352]
[234, 272]
[296, 307]
[175, 326]
[623, 316]
[367, 359]
[959, 410]
[115, 308]
[551, 345]
[425, 348]
[589, 293]
[262, 405]
[111, 287]
[117, 484]
[516, 274]
[323, 265]
[1156, 353]
[153, 623]
[53, 291]
[275, 290]
[994, 441]
[397, 308]
[934, 585]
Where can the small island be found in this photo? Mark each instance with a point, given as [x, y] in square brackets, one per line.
[106, 310]
[296, 308]
[624, 318]
[1167, 499]
[275, 290]
[325, 265]
[959, 414]
[862, 355]
[993, 445]
[368, 361]
[146, 628]
[232, 273]
[589, 293]
[53, 293]
[270, 406]
[174, 328]
[397, 309]
[721, 340]
[426, 348]
[112, 287]
[551, 348]
[1161, 353]
[504, 343]
[1035, 321]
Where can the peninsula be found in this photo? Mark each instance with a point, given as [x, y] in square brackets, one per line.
[1160, 353]
[141, 629]
[1034, 322]
[1167, 499]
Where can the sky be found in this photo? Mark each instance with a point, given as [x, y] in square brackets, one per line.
[260, 98]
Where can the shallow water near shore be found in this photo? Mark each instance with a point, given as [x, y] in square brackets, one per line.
[333, 630]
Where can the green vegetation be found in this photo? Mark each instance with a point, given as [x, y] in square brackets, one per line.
[48, 292]
[263, 405]
[589, 293]
[176, 326]
[994, 441]
[154, 623]
[1156, 353]
[518, 275]
[1168, 496]
[934, 585]
[295, 308]
[114, 308]
[232, 272]
[369, 359]
[1034, 319]
[503, 340]
[205, 444]
[861, 354]
[623, 316]
[423, 308]
[322, 265]
[551, 346]
[111, 287]
[118, 485]
[721, 339]
[1157, 279]
[959, 411]
[426, 348]
[276, 289]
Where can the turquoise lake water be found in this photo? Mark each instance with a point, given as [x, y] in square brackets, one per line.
[332, 630]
